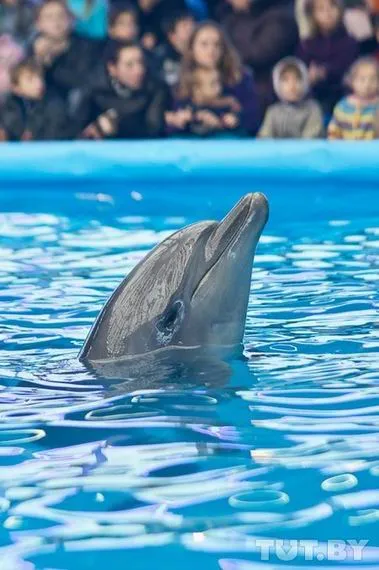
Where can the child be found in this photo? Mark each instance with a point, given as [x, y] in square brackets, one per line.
[68, 59]
[354, 118]
[29, 113]
[178, 29]
[208, 110]
[123, 24]
[296, 115]
[152, 14]
[328, 52]
[123, 27]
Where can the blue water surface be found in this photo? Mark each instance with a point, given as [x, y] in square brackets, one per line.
[192, 477]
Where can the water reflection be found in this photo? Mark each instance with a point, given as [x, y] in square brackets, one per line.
[281, 445]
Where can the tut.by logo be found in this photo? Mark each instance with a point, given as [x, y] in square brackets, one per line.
[310, 550]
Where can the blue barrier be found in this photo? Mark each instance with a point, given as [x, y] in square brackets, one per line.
[178, 160]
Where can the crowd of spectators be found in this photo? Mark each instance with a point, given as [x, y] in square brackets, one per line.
[127, 69]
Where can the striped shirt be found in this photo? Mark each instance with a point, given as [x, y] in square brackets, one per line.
[353, 121]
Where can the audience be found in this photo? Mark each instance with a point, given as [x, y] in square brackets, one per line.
[178, 29]
[210, 50]
[328, 51]
[124, 101]
[66, 57]
[296, 115]
[30, 112]
[206, 110]
[263, 31]
[354, 117]
[124, 69]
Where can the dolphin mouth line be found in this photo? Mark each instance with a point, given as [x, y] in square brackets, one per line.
[231, 239]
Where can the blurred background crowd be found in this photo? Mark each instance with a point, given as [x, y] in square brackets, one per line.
[117, 69]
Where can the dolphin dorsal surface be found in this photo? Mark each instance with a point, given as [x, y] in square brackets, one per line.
[190, 291]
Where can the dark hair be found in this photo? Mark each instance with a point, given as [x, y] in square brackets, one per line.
[229, 65]
[290, 67]
[24, 65]
[62, 3]
[116, 11]
[171, 21]
[117, 47]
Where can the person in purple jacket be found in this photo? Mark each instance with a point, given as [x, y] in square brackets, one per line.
[210, 49]
[328, 51]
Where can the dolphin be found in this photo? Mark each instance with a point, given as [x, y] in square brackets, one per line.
[187, 299]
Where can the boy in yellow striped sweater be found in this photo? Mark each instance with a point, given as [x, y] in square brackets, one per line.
[355, 116]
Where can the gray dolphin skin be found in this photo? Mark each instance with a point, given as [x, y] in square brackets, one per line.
[190, 292]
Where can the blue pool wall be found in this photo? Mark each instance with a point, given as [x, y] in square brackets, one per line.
[193, 177]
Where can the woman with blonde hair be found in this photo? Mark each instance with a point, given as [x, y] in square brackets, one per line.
[209, 49]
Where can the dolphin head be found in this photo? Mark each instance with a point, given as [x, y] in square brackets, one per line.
[191, 290]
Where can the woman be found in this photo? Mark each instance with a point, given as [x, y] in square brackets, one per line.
[209, 49]
[328, 51]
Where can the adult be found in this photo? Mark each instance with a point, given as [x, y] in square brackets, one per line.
[328, 51]
[125, 101]
[264, 32]
[209, 49]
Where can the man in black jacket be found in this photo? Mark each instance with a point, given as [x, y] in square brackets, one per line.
[30, 113]
[124, 101]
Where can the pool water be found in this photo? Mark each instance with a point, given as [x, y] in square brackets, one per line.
[214, 477]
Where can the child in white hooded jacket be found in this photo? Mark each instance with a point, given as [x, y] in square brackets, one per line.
[295, 115]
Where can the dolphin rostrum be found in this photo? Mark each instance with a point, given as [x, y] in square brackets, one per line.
[190, 292]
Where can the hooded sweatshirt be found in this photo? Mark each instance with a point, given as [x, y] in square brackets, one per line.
[302, 119]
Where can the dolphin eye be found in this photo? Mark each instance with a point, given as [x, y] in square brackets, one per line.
[171, 319]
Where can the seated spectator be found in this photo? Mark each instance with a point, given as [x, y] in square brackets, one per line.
[209, 49]
[91, 17]
[67, 59]
[123, 24]
[328, 52]
[152, 14]
[125, 101]
[263, 31]
[30, 113]
[356, 19]
[123, 27]
[16, 19]
[355, 117]
[296, 115]
[10, 54]
[178, 29]
[207, 111]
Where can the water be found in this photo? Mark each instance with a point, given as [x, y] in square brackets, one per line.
[287, 449]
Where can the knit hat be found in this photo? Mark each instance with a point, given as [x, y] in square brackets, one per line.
[290, 62]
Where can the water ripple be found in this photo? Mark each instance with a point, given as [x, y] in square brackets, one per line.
[288, 450]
